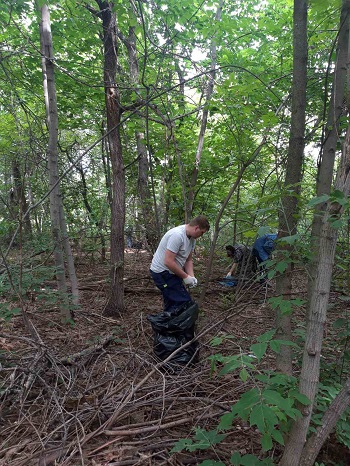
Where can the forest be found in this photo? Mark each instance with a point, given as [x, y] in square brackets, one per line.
[118, 121]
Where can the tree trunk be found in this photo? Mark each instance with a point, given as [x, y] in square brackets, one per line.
[20, 197]
[115, 304]
[329, 420]
[208, 96]
[324, 237]
[70, 258]
[52, 152]
[288, 217]
[148, 207]
[58, 220]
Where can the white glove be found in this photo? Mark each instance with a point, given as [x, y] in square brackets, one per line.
[228, 275]
[190, 281]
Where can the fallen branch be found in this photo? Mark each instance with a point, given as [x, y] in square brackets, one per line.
[87, 351]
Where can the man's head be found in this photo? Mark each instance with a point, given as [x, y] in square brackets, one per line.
[197, 226]
[230, 251]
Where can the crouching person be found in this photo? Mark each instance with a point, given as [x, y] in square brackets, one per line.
[243, 262]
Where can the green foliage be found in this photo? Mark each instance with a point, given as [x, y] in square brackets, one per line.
[326, 393]
[285, 305]
[268, 410]
[211, 463]
[269, 407]
[318, 200]
[202, 440]
[7, 312]
[249, 460]
[22, 285]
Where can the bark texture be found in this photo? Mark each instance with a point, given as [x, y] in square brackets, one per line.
[288, 218]
[324, 237]
[115, 304]
[52, 154]
[58, 223]
[329, 420]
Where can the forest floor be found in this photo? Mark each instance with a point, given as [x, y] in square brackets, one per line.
[90, 392]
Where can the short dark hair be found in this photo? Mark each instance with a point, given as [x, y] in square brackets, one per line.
[201, 221]
[230, 249]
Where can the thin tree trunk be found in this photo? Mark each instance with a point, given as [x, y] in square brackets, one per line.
[70, 258]
[288, 217]
[328, 422]
[148, 208]
[115, 305]
[20, 197]
[324, 237]
[208, 96]
[52, 152]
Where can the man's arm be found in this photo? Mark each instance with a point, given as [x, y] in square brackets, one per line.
[189, 265]
[170, 263]
[233, 268]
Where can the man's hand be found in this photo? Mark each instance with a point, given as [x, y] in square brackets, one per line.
[190, 281]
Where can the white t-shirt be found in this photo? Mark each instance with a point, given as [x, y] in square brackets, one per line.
[176, 241]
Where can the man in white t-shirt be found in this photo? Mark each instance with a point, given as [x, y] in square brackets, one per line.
[172, 264]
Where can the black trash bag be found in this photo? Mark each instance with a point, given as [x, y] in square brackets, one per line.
[173, 329]
[164, 345]
[176, 319]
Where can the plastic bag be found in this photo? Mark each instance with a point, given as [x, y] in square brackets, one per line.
[172, 330]
[175, 320]
[229, 281]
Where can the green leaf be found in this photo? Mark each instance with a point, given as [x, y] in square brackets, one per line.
[290, 239]
[249, 398]
[216, 341]
[286, 307]
[270, 417]
[267, 336]
[339, 196]
[275, 346]
[340, 323]
[243, 375]
[318, 200]
[207, 438]
[226, 420]
[286, 343]
[281, 266]
[181, 445]
[235, 459]
[257, 418]
[276, 434]
[249, 460]
[303, 399]
[344, 298]
[275, 398]
[298, 302]
[266, 442]
[259, 349]
[244, 405]
[230, 366]
[293, 413]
